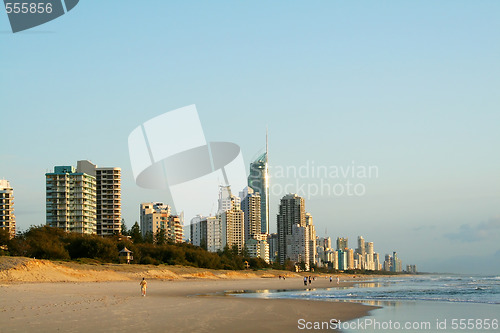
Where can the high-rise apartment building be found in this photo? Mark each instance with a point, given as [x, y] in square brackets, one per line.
[84, 200]
[312, 239]
[206, 231]
[250, 205]
[291, 212]
[342, 243]
[108, 197]
[233, 226]
[272, 239]
[155, 216]
[71, 200]
[350, 258]
[7, 217]
[297, 244]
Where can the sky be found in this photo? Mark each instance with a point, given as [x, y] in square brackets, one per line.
[409, 88]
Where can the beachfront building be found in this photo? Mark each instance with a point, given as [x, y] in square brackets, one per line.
[342, 243]
[155, 217]
[396, 263]
[342, 260]
[250, 205]
[258, 181]
[206, 232]
[376, 261]
[412, 269]
[350, 258]
[291, 213]
[297, 245]
[233, 226]
[257, 248]
[108, 197]
[272, 240]
[71, 200]
[311, 232]
[7, 217]
[85, 199]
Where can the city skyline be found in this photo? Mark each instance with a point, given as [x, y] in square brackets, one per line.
[410, 88]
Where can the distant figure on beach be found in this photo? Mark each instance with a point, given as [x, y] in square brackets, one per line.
[305, 280]
[338, 280]
[330, 279]
[144, 286]
[284, 277]
[310, 279]
[280, 277]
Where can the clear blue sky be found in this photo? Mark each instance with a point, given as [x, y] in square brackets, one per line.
[411, 87]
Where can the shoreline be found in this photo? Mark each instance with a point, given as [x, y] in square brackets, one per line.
[45, 296]
[180, 306]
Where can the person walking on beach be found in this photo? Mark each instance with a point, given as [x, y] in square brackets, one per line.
[310, 280]
[144, 286]
[338, 280]
[330, 279]
[305, 280]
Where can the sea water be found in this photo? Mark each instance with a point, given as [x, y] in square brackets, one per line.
[420, 303]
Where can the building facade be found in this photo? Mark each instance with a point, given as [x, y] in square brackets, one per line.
[7, 216]
[291, 213]
[258, 181]
[108, 197]
[250, 205]
[311, 232]
[71, 200]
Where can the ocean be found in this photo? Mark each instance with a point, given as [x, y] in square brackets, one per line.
[420, 303]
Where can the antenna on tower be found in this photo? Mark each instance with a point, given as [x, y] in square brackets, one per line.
[267, 146]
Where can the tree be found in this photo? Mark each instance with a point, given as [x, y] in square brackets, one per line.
[160, 237]
[148, 238]
[135, 233]
[4, 236]
[124, 228]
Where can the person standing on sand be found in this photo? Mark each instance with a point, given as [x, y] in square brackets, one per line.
[338, 280]
[330, 279]
[305, 280]
[144, 286]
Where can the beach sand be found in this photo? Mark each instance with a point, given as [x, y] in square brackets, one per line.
[174, 305]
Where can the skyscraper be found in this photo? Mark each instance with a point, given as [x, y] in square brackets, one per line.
[233, 226]
[312, 239]
[7, 217]
[250, 205]
[291, 212]
[342, 243]
[71, 200]
[108, 197]
[258, 180]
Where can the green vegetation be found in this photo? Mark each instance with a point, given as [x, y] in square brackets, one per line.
[51, 243]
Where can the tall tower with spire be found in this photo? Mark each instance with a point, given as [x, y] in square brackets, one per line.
[258, 180]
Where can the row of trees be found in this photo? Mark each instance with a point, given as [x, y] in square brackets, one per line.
[44, 242]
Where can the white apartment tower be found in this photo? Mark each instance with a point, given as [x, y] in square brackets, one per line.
[7, 217]
[71, 200]
[250, 205]
[312, 238]
[108, 197]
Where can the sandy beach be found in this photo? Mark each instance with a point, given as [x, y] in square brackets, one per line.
[176, 304]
